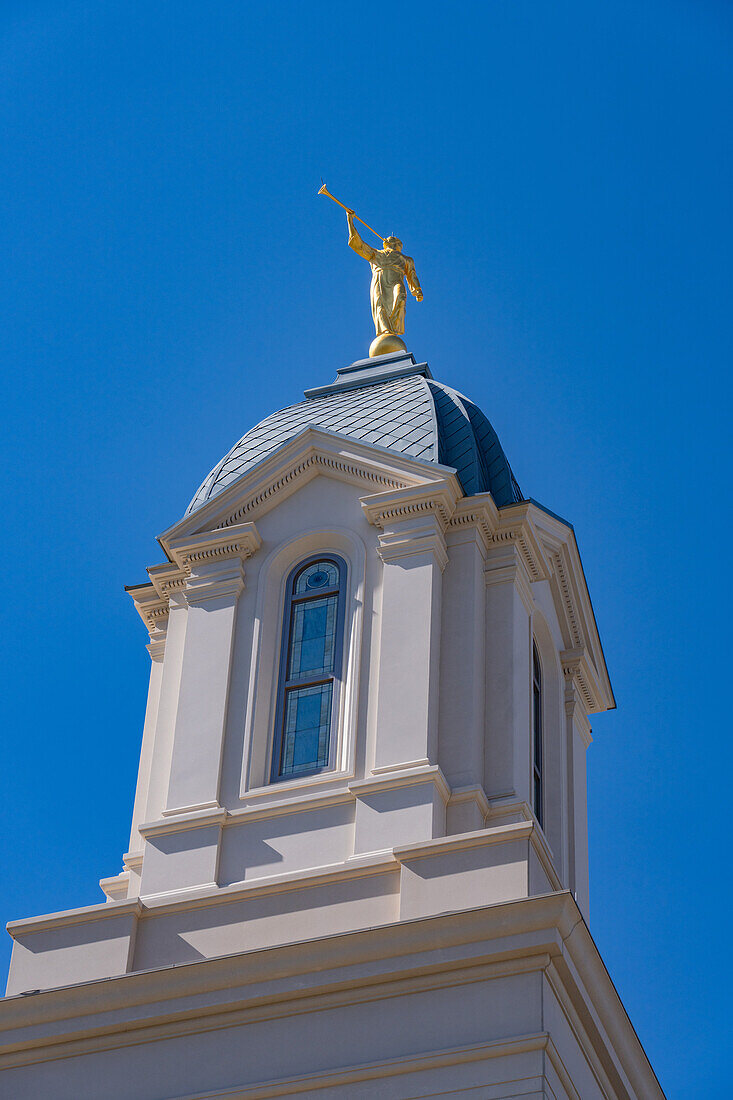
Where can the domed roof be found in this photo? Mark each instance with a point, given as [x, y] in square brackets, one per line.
[393, 402]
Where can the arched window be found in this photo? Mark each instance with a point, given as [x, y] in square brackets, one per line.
[537, 736]
[310, 668]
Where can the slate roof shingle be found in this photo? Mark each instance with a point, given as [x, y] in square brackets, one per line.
[412, 415]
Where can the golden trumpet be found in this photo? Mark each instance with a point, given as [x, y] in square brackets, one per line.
[323, 190]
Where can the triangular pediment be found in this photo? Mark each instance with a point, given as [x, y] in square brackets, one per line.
[314, 452]
[226, 525]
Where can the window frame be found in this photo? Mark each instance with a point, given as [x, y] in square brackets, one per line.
[538, 748]
[335, 677]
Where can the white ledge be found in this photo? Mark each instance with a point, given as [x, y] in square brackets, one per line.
[391, 780]
[195, 820]
[105, 910]
[480, 837]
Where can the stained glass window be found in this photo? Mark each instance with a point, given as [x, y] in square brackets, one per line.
[321, 574]
[312, 637]
[310, 668]
[307, 726]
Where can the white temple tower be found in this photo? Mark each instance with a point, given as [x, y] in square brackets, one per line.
[358, 859]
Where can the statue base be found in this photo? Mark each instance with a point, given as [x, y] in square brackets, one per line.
[386, 342]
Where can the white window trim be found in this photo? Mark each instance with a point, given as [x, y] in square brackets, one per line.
[256, 786]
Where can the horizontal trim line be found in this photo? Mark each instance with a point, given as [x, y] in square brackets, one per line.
[392, 1067]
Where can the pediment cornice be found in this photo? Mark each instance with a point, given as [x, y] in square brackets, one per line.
[572, 601]
[313, 452]
[153, 609]
[516, 526]
[478, 511]
[189, 555]
[437, 498]
[511, 528]
[582, 680]
[224, 527]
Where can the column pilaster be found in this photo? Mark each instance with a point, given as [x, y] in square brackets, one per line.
[411, 544]
[214, 578]
[577, 738]
[463, 663]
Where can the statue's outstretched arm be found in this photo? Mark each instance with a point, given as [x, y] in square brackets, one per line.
[355, 241]
[412, 280]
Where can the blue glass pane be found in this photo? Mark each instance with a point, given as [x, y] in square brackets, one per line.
[537, 719]
[321, 574]
[307, 726]
[312, 638]
[538, 798]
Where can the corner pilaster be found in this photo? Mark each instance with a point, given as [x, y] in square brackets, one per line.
[577, 739]
[411, 544]
[212, 564]
[463, 662]
[154, 610]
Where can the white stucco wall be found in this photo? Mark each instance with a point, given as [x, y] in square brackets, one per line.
[425, 816]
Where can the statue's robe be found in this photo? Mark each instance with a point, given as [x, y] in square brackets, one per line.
[390, 269]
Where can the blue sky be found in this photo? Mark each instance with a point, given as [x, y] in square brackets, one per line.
[562, 175]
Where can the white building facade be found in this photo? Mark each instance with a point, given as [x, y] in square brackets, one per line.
[358, 858]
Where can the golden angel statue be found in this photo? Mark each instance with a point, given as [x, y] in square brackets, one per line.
[391, 269]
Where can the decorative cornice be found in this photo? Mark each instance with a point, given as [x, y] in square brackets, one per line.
[167, 578]
[573, 606]
[439, 498]
[156, 648]
[506, 565]
[313, 451]
[516, 527]
[157, 612]
[205, 566]
[153, 610]
[413, 520]
[214, 580]
[479, 512]
[317, 462]
[424, 539]
[240, 542]
[563, 581]
[517, 536]
[578, 679]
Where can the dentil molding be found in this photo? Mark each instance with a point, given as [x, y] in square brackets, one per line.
[204, 566]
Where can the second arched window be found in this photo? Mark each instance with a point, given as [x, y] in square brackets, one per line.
[537, 738]
[310, 669]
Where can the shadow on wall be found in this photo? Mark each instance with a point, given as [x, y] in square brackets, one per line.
[266, 920]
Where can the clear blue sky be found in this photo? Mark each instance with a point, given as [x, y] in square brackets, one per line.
[561, 173]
